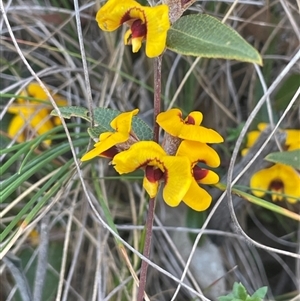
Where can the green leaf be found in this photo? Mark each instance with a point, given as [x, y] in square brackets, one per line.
[260, 293]
[287, 91]
[102, 120]
[205, 36]
[73, 111]
[291, 158]
[239, 291]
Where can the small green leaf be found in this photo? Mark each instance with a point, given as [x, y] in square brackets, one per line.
[239, 291]
[102, 120]
[205, 36]
[260, 293]
[73, 111]
[291, 158]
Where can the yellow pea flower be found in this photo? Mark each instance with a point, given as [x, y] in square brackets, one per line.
[279, 179]
[196, 197]
[146, 23]
[110, 141]
[33, 115]
[173, 171]
[189, 128]
[292, 141]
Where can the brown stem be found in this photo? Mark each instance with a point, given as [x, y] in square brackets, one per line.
[151, 209]
[147, 248]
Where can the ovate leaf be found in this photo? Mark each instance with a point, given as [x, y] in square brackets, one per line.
[102, 120]
[291, 158]
[73, 111]
[205, 36]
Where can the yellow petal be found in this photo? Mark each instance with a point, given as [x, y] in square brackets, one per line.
[194, 117]
[278, 172]
[292, 139]
[136, 44]
[262, 126]
[114, 13]
[198, 152]
[252, 137]
[107, 141]
[262, 180]
[210, 178]
[41, 123]
[172, 122]
[122, 123]
[177, 180]
[16, 128]
[138, 155]
[150, 187]
[158, 25]
[36, 91]
[197, 198]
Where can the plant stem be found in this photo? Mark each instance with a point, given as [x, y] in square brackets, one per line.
[147, 248]
[151, 209]
[157, 94]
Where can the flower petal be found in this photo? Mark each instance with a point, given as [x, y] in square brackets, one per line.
[114, 13]
[198, 152]
[210, 178]
[107, 141]
[122, 123]
[42, 124]
[150, 187]
[278, 172]
[178, 178]
[172, 122]
[292, 139]
[138, 155]
[291, 182]
[262, 180]
[158, 25]
[16, 127]
[197, 198]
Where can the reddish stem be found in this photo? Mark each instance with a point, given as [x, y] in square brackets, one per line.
[151, 209]
[147, 248]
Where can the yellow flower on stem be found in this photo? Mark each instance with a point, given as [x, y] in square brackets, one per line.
[111, 142]
[146, 23]
[292, 141]
[189, 128]
[173, 171]
[196, 197]
[33, 115]
[279, 179]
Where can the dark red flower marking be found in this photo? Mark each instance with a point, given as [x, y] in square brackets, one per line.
[138, 29]
[276, 185]
[190, 120]
[199, 173]
[153, 174]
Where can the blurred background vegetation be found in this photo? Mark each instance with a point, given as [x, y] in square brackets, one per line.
[55, 239]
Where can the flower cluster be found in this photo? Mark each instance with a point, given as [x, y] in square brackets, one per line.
[280, 179]
[148, 24]
[31, 112]
[179, 164]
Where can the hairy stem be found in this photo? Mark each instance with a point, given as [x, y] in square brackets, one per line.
[147, 248]
[151, 209]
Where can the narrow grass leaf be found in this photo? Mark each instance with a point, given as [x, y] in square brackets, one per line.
[262, 203]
